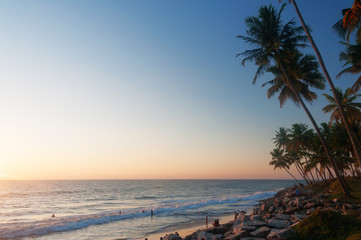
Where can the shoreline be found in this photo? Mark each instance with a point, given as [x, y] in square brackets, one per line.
[272, 218]
[187, 229]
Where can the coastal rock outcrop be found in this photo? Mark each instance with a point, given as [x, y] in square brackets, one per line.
[273, 218]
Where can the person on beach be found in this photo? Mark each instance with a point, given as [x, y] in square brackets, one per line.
[207, 221]
[151, 213]
[120, 212]
[216, 223]
[53, 215]
[235, 215]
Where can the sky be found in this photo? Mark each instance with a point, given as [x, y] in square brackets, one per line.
[139, 89]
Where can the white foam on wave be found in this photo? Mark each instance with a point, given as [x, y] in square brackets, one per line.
[58, 224]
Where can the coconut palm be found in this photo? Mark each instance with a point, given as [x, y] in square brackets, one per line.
[281, 140]
[352, 58]
[279, 160]
[352, 20]
[275, 45]
[301, 138]
[352, 108]
[303, 72]
[350, 131]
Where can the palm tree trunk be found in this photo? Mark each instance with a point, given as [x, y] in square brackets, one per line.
[305, 173]
[329, 172]
[329, 154]
[313, 178]
[328, 78]
[318, 174]
[301, 172]
[292, 175]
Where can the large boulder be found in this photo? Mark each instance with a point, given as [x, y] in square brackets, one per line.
[245, 226]
[297, 217]
[283, 216]
[256, 217]
[275, 223]
[281, 234]
[201, 235]
[291, 209]
[237, 236]
[256, 223]
[261, 232]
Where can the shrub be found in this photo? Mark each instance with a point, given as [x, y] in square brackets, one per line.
[328, 225]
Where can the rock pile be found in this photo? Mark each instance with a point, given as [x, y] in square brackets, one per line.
[273, 218]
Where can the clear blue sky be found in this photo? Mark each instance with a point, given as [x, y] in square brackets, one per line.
[142, 89]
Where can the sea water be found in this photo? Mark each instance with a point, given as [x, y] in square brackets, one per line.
[120, 209]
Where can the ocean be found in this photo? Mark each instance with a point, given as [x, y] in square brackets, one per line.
[121, 209]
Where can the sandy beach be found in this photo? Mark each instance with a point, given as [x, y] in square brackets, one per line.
[190, 228]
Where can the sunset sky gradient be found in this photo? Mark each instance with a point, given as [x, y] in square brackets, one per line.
[139, 89]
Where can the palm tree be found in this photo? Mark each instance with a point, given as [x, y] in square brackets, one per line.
[301, 138]
[279, 160]
[352, 58]
[328, 78]
[351, 19]
[281, 140]
[276, 43]
[352, 108]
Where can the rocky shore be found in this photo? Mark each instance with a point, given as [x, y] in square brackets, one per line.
[273, 218]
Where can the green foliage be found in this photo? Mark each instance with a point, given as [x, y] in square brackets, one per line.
[355, 185]
[328, 225]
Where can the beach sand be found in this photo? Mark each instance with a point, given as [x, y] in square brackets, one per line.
[190, 228]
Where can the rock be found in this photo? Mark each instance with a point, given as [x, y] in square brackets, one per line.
[216, 230]
[276, 203]
[237, 228]
[309, 211]
[205, 236]
[248, 227]
[290, 210]
[172, 237]
[282, 234]
[275, 223]
[310, 205]
[261, 232]
[294, 225]
[262, 207]
[257, 223]
[285, 200]
[252, 238]
[297, 217]
[278, 210]
[283, 216]
[237, 236]
[298, 202]
[218, 237]
[244, 217]
[256, 217]
[256, 210]
[271, 209]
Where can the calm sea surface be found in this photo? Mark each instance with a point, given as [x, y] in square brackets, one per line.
[90, 209]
